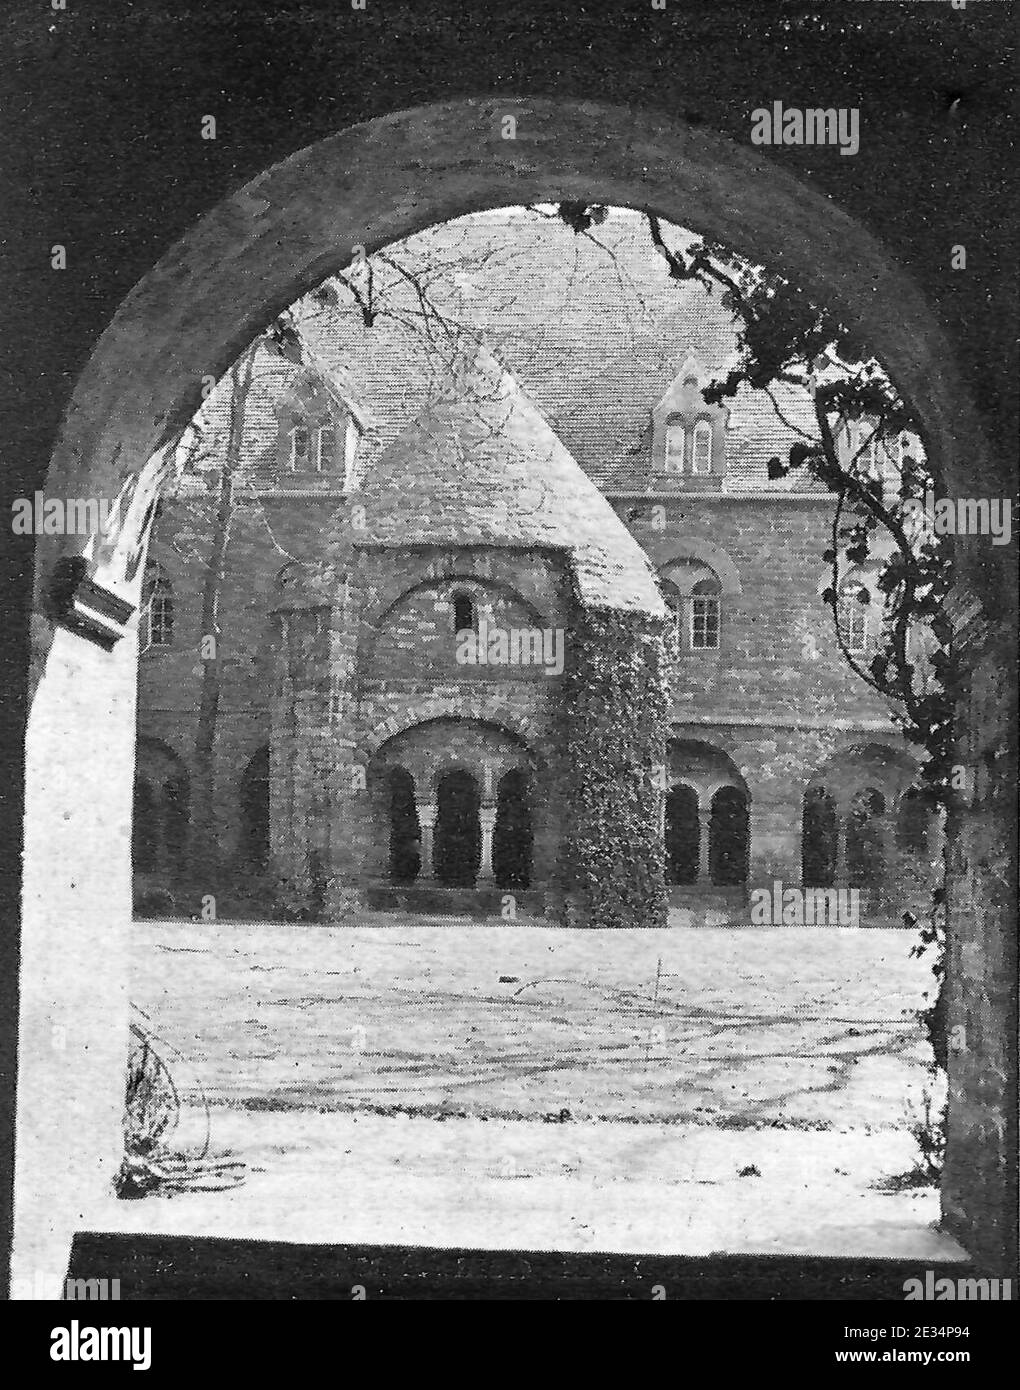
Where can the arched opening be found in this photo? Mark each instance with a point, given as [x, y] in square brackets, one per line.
[255, 812]
[188, 318]
[682, 835]
[176, 819]
[819, 839]
[865, 842]
[728, 838]
[405, 832]
[512, 837]
[458, 837]
[144, 827]
[160, 815]
[913, 822]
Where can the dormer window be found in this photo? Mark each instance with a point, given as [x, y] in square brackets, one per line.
[318, 425]
[299, 446]
[701, 457]
[688, 434]
[676, 437]
[325, 457]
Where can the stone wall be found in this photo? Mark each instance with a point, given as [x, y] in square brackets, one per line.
[778, 657]
[776, 697]
[979, 1182]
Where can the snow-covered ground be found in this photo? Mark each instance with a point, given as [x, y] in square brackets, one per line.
[528, 1087]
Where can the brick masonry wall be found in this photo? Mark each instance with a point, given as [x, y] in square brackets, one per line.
[778, 657]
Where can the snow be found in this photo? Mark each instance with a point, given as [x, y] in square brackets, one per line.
[682, 1091]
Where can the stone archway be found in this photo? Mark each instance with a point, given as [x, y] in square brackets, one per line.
[187, 320]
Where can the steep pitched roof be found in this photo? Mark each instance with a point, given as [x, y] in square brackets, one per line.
[482, 466]
[594, 331]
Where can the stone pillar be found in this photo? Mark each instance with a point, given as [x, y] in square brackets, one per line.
[760, 856]
[487, 820]
[704, 846]
[348, 803]
[841, 823]
[979, 1173]
[426, 822]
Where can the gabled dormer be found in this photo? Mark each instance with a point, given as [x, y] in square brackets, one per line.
[319, 430]
[688, 434]
[879, 454]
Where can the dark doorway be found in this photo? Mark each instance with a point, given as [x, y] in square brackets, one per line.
[512, 837]
[144, 830]
[728, 837]
[683, 835]
[458, 846]
[865, 847]
[405, 832]
[818, 839]
[255, 812]
[177, 792]
[912, 822]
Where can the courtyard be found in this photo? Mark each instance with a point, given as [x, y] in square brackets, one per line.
[440, 1081]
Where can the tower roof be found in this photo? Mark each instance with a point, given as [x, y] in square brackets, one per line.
[482, 466]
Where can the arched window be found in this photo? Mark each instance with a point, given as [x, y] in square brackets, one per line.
[853, 616]
[463, 612]
[675, 440]
[299, 446]
[701, 455]
[692, 593]
[705, 614]
[156, 628]
[325, 457]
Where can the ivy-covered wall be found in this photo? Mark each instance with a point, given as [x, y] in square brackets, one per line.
[615, 707]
